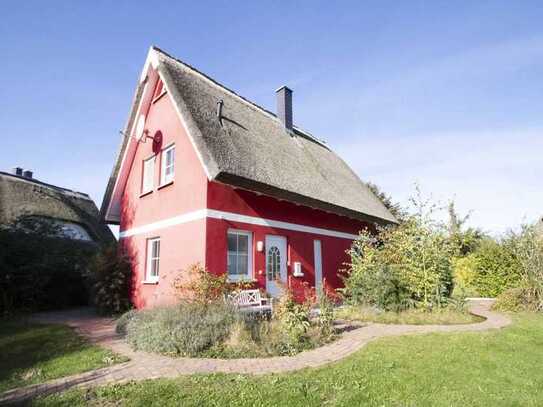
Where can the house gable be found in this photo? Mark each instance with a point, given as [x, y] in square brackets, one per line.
[186, 192]
[247, 147]
[147, 100]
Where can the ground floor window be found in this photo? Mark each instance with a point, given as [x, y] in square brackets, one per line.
[153, 260]
[240, 255]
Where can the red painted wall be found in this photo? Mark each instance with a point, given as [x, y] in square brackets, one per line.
[183, 244]
[299, 244]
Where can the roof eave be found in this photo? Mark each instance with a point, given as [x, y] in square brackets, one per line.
[278, 193]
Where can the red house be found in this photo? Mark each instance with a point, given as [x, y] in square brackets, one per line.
[205, 175]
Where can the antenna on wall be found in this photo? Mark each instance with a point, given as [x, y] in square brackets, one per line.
[141, 134]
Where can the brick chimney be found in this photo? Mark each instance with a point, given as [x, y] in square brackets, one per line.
[284, 106]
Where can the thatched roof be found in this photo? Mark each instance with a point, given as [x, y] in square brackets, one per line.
[251, 149]
[22, 197]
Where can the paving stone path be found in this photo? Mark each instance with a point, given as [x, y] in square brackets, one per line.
[150, 366]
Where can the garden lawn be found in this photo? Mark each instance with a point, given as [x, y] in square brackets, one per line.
[494, 368]
[34, 353]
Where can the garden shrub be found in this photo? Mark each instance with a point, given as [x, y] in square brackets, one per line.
[294, 320]
[514, 300]
[199, 285]
[528, 250]
[497, 268]
[187, 329]
[325, 318]
[465, 271]
[123, 320]
[407, 265]
[110, 276]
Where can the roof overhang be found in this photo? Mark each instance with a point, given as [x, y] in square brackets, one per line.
[277, 193]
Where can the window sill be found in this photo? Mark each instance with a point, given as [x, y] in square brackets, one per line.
[151, 282]
[146, 193]
[165, 185]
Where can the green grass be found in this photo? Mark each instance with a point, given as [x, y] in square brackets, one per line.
[495, 368]
[412, 317]
[34, 353]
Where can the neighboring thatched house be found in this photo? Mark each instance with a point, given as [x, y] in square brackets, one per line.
[73, 213]
[48, 236]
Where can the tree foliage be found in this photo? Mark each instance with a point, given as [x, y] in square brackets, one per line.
[110, 277]
[496, 267]
[464, 241]
[407, 265]
[39, 270]
[527, 246]
[394, 207]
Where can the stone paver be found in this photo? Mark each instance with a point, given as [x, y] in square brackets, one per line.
[149, 366]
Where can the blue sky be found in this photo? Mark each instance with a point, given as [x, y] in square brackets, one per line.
[446, 95]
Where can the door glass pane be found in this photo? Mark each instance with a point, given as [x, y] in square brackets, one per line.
[274, 261]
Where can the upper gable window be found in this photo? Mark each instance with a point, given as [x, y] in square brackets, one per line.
[167, 165]
[148, 176]
[159, 90]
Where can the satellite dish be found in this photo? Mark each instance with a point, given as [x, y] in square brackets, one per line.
[157, 142]
[140, 128]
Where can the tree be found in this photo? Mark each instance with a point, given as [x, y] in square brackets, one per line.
[464, 241]
[407, 265]
[395, 208]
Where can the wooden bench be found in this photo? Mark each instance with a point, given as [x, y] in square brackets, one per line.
[250, 301]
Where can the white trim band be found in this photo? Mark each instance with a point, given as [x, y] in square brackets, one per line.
[161, 224]
[233, 217]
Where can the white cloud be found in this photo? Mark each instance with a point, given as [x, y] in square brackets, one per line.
[495, 174]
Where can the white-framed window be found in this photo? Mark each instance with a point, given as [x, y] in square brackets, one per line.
[168, 165]
[148, 176]
[240, 255]
[153, 260]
